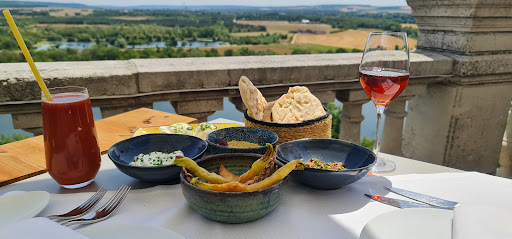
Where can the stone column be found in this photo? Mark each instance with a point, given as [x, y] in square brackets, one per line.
[393, 126]
[199, 109]
[460, 122]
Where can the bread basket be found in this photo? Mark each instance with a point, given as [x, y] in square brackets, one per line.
[314, 128]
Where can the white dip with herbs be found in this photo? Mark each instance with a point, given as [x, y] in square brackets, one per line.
[156, 158]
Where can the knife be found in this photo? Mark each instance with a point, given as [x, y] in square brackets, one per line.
[438, 202]
[400, 203]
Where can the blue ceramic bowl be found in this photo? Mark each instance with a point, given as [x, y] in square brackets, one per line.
[249, 134]
[232, 207]
[123, 152]
[358, 161]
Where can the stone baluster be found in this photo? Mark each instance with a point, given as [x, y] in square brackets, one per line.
[239, 104]
[199, 109]
[460, 122]
[29, 121]
[351, 118]
[393, 126]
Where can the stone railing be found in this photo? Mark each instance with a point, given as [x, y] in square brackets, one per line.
[196, 86]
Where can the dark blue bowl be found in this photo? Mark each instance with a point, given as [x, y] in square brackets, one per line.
[249, 134]
[123, 152]
[358, 161]
[232, 207]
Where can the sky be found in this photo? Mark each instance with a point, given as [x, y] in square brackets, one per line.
[231, 2]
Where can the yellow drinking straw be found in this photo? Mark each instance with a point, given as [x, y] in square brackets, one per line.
[27, 55]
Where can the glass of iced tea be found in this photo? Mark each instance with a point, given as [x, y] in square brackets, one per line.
[70, 142]
[383, 74]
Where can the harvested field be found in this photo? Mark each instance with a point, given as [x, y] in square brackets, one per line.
[346, 39]
[285, 27]
[61, 12]
[70, 25]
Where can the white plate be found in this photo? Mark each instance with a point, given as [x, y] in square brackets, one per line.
[417, 223]
[21, 206]
[128, 232]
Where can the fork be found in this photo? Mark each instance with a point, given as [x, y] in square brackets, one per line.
[104, 212]
[82, 209]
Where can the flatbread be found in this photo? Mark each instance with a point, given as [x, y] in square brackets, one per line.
[267, 112]
[252, 98]
[296, 106]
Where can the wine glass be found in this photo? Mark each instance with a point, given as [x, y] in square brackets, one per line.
[383, 74]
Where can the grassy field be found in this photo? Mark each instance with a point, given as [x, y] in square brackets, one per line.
[285, 27]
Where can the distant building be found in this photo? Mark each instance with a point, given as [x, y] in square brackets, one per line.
[305, 21]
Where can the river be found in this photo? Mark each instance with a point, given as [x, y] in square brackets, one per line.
[152, 45]
[229, 112]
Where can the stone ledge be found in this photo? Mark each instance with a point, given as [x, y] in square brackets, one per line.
[165, 77]
[101, 78]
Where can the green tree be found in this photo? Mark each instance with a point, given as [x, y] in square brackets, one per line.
[129, 54]
[228, 52]
[121, 43]
[5, 139]
[83, 37]
[54, 37]
[341, 50]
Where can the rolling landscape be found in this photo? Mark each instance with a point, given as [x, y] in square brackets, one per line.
[77, 32]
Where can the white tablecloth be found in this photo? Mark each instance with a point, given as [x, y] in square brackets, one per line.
[302, 213]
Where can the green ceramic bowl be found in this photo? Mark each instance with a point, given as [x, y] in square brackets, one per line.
[232, 207]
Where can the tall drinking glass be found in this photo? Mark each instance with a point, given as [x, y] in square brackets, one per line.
[70, 142]
[383, 74]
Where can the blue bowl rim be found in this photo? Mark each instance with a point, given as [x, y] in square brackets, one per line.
[327, 170]
[277, 185]
[288, 125]
[149, 135]
[226, 147]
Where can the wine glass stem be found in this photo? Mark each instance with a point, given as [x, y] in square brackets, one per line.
[376, 144]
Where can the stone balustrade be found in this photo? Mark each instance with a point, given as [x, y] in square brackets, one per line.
[197, 86]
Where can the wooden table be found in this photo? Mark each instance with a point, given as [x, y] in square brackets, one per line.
[23, 159]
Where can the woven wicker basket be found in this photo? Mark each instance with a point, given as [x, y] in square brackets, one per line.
[314, 128]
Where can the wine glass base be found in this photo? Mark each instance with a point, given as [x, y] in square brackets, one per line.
[80, 185]
[384, 166]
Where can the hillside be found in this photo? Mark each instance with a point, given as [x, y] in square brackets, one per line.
[26, 4]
